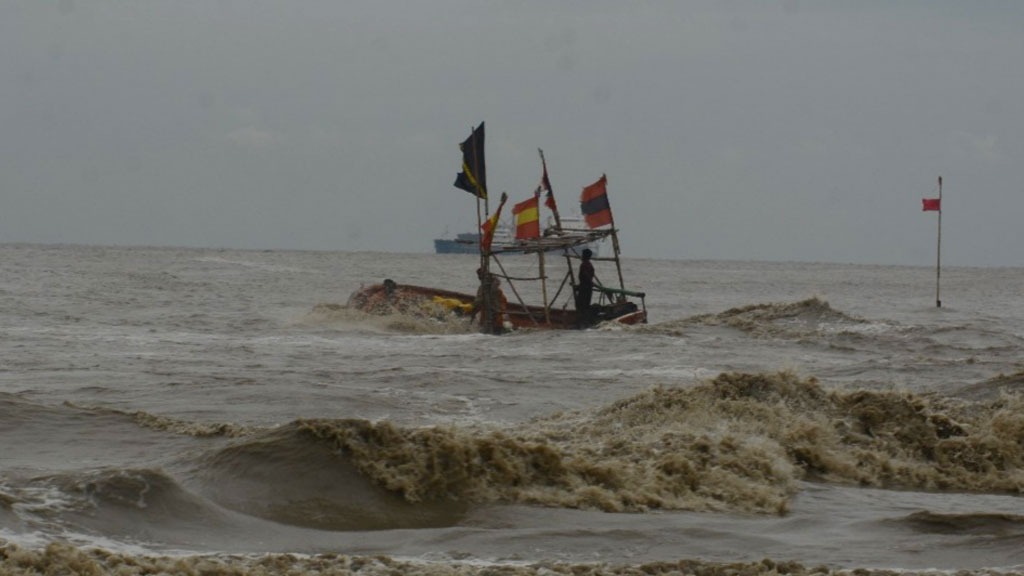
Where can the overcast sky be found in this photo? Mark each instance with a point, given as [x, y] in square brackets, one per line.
[790, 130]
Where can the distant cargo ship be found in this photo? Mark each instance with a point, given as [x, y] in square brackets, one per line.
[504, 241]
[465, 243]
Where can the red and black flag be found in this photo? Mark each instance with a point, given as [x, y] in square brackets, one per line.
[545, 184]
[594, 204]
[473, 178]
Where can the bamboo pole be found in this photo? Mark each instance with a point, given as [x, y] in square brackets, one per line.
[938, 251]
[485, 255]
[514, 291]
[558, 226]
[540, 259]
[481, 187]
[485, 314]
[558, 219]
[615, 246]
[544, 287]
[560, 288]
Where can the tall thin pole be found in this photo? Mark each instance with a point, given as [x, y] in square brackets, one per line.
[543, 283]
[938, 251]
[558, 225]
[615, 246]
[540, 259]
[485, 255]
[547, 180]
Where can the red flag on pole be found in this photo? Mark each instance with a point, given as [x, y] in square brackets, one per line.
[931, 204]
[594, 204]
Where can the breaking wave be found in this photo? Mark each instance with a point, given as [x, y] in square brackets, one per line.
[129, 496]
[167, 424]
[998, 525]
[994, 387]
[777, 320]
[279, 475]
[738, 442]
[790, 319]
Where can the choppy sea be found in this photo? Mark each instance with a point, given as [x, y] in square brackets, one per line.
[211, 411]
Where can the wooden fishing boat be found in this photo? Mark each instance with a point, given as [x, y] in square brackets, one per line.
[390, 297]
[491, 307]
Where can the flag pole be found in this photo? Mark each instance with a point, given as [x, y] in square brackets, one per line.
[938, 251]
[546, 179]
[615, 245]
[540, 261]
[479, 225]
[558, 220]
[485, 255]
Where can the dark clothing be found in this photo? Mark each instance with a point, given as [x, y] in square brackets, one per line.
[490, 304]
[585, 292]
[586, 284]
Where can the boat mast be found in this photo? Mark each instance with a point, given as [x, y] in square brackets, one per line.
[540, 261]
[547, 181]
[485, 254]
[558, 224]
[615, 247]
[938, 251]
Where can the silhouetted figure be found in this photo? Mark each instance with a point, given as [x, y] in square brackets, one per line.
[585, 290]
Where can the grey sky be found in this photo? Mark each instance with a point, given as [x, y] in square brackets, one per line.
[741, 130]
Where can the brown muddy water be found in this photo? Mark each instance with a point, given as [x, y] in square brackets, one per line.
[223, 412]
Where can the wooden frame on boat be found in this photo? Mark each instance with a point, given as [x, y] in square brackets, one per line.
[612, 303]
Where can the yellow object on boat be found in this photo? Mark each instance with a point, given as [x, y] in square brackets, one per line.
[453, 303]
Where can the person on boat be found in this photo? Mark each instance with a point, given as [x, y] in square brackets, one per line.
[585, 289]
[490, 303]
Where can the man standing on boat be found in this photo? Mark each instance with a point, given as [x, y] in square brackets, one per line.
[585, 289]
[489, 303]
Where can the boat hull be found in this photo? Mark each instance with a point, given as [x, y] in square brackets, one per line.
[391, 298]
[447, 246]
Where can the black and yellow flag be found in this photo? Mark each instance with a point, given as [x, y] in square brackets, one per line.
[473, 178]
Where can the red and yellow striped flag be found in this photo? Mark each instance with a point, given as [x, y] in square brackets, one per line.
[527, 219]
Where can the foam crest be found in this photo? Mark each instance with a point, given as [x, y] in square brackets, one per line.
[279, 475]
[590, 463]
[998, 525]
[151, 491]
[168, 424]
[994, 387]
[738, 442]
[786, 319]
